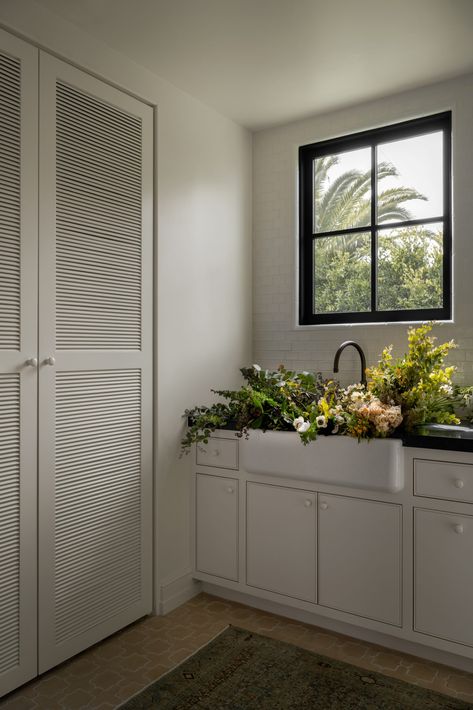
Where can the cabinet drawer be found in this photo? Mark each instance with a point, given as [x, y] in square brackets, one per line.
[219, 453]
[441, 479]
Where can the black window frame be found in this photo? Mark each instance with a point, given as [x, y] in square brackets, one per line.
[307, 236]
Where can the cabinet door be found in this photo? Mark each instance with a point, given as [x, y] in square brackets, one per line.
[95, 352]
[217, 526]
[281, 540]
[18, 346]
[359, 557]
[443, 575]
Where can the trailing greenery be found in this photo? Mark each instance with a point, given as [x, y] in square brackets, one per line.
[268, 400]
[400, 394]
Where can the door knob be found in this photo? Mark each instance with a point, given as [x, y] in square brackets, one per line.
[32, 362]
[51, 361]
[459, 483]
[323, 506]
[458, 529]
[307, 503]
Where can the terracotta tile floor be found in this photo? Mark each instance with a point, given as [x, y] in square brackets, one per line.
[112, 671]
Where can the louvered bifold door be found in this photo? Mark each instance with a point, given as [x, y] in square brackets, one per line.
[95, 388]
[18, 346]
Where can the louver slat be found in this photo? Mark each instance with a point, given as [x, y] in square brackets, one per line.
[10, 192]
[9, 522]
[98, 224]
[97, 507]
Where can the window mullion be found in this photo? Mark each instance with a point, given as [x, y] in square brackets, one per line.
[374, 248]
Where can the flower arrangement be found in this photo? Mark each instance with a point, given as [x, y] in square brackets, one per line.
[406, 392]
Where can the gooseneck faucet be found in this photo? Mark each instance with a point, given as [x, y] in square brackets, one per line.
[361, 354]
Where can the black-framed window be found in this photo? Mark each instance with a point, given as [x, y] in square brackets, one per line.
[375, 225]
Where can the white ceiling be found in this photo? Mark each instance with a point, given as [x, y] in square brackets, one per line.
[263, 62]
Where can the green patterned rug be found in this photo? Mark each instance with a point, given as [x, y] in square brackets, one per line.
[240, 670]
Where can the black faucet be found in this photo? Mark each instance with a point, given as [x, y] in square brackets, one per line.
[362, 357]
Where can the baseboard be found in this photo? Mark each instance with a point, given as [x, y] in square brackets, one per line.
[306, 617]
[177, 591]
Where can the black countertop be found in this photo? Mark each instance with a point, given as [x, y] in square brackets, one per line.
[448, 439]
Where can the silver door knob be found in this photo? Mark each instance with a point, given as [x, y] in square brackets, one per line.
[32, 362]
[51, 361]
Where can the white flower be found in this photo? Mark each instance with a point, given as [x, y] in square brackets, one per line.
[300, 425]
[257, 368]
[446, 389]
[321, 421]
[280, 384]
[297, 422]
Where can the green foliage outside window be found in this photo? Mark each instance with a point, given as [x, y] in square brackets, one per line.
[410, 260]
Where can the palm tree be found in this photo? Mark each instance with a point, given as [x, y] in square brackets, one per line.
[411, 260]
[346, 202]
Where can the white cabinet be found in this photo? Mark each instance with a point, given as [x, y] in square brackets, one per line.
[18, 371]
[444, 575]
[359, 557]
[95, 355]
[217, 526]
[75, 360]
[281, 540]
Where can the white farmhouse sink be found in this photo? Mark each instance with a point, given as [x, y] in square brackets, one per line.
[336, 460]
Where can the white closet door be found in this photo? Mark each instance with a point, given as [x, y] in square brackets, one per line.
[95, 351]
[18, 343]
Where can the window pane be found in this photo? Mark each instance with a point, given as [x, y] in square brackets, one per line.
[342, 274]
[410, 262]
[342, 190]
[410, 177]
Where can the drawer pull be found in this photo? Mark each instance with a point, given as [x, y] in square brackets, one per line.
[458, 529]
[215, 453]
[459, 483]
[323, 506]
[307, 503]
[230, 489]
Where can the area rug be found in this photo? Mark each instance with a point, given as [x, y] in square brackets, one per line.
[240, 670]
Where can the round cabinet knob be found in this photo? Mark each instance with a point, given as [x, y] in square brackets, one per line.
[308, 503]
[459, 483]
[51, 361]
[215, 453]
[323, 506]
[458, 529]
[32, 362]
[230, 489]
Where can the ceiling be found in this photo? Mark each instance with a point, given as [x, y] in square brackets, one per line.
[263, 62]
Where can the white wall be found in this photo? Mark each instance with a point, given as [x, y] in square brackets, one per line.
[203, 295]
[275, 154]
